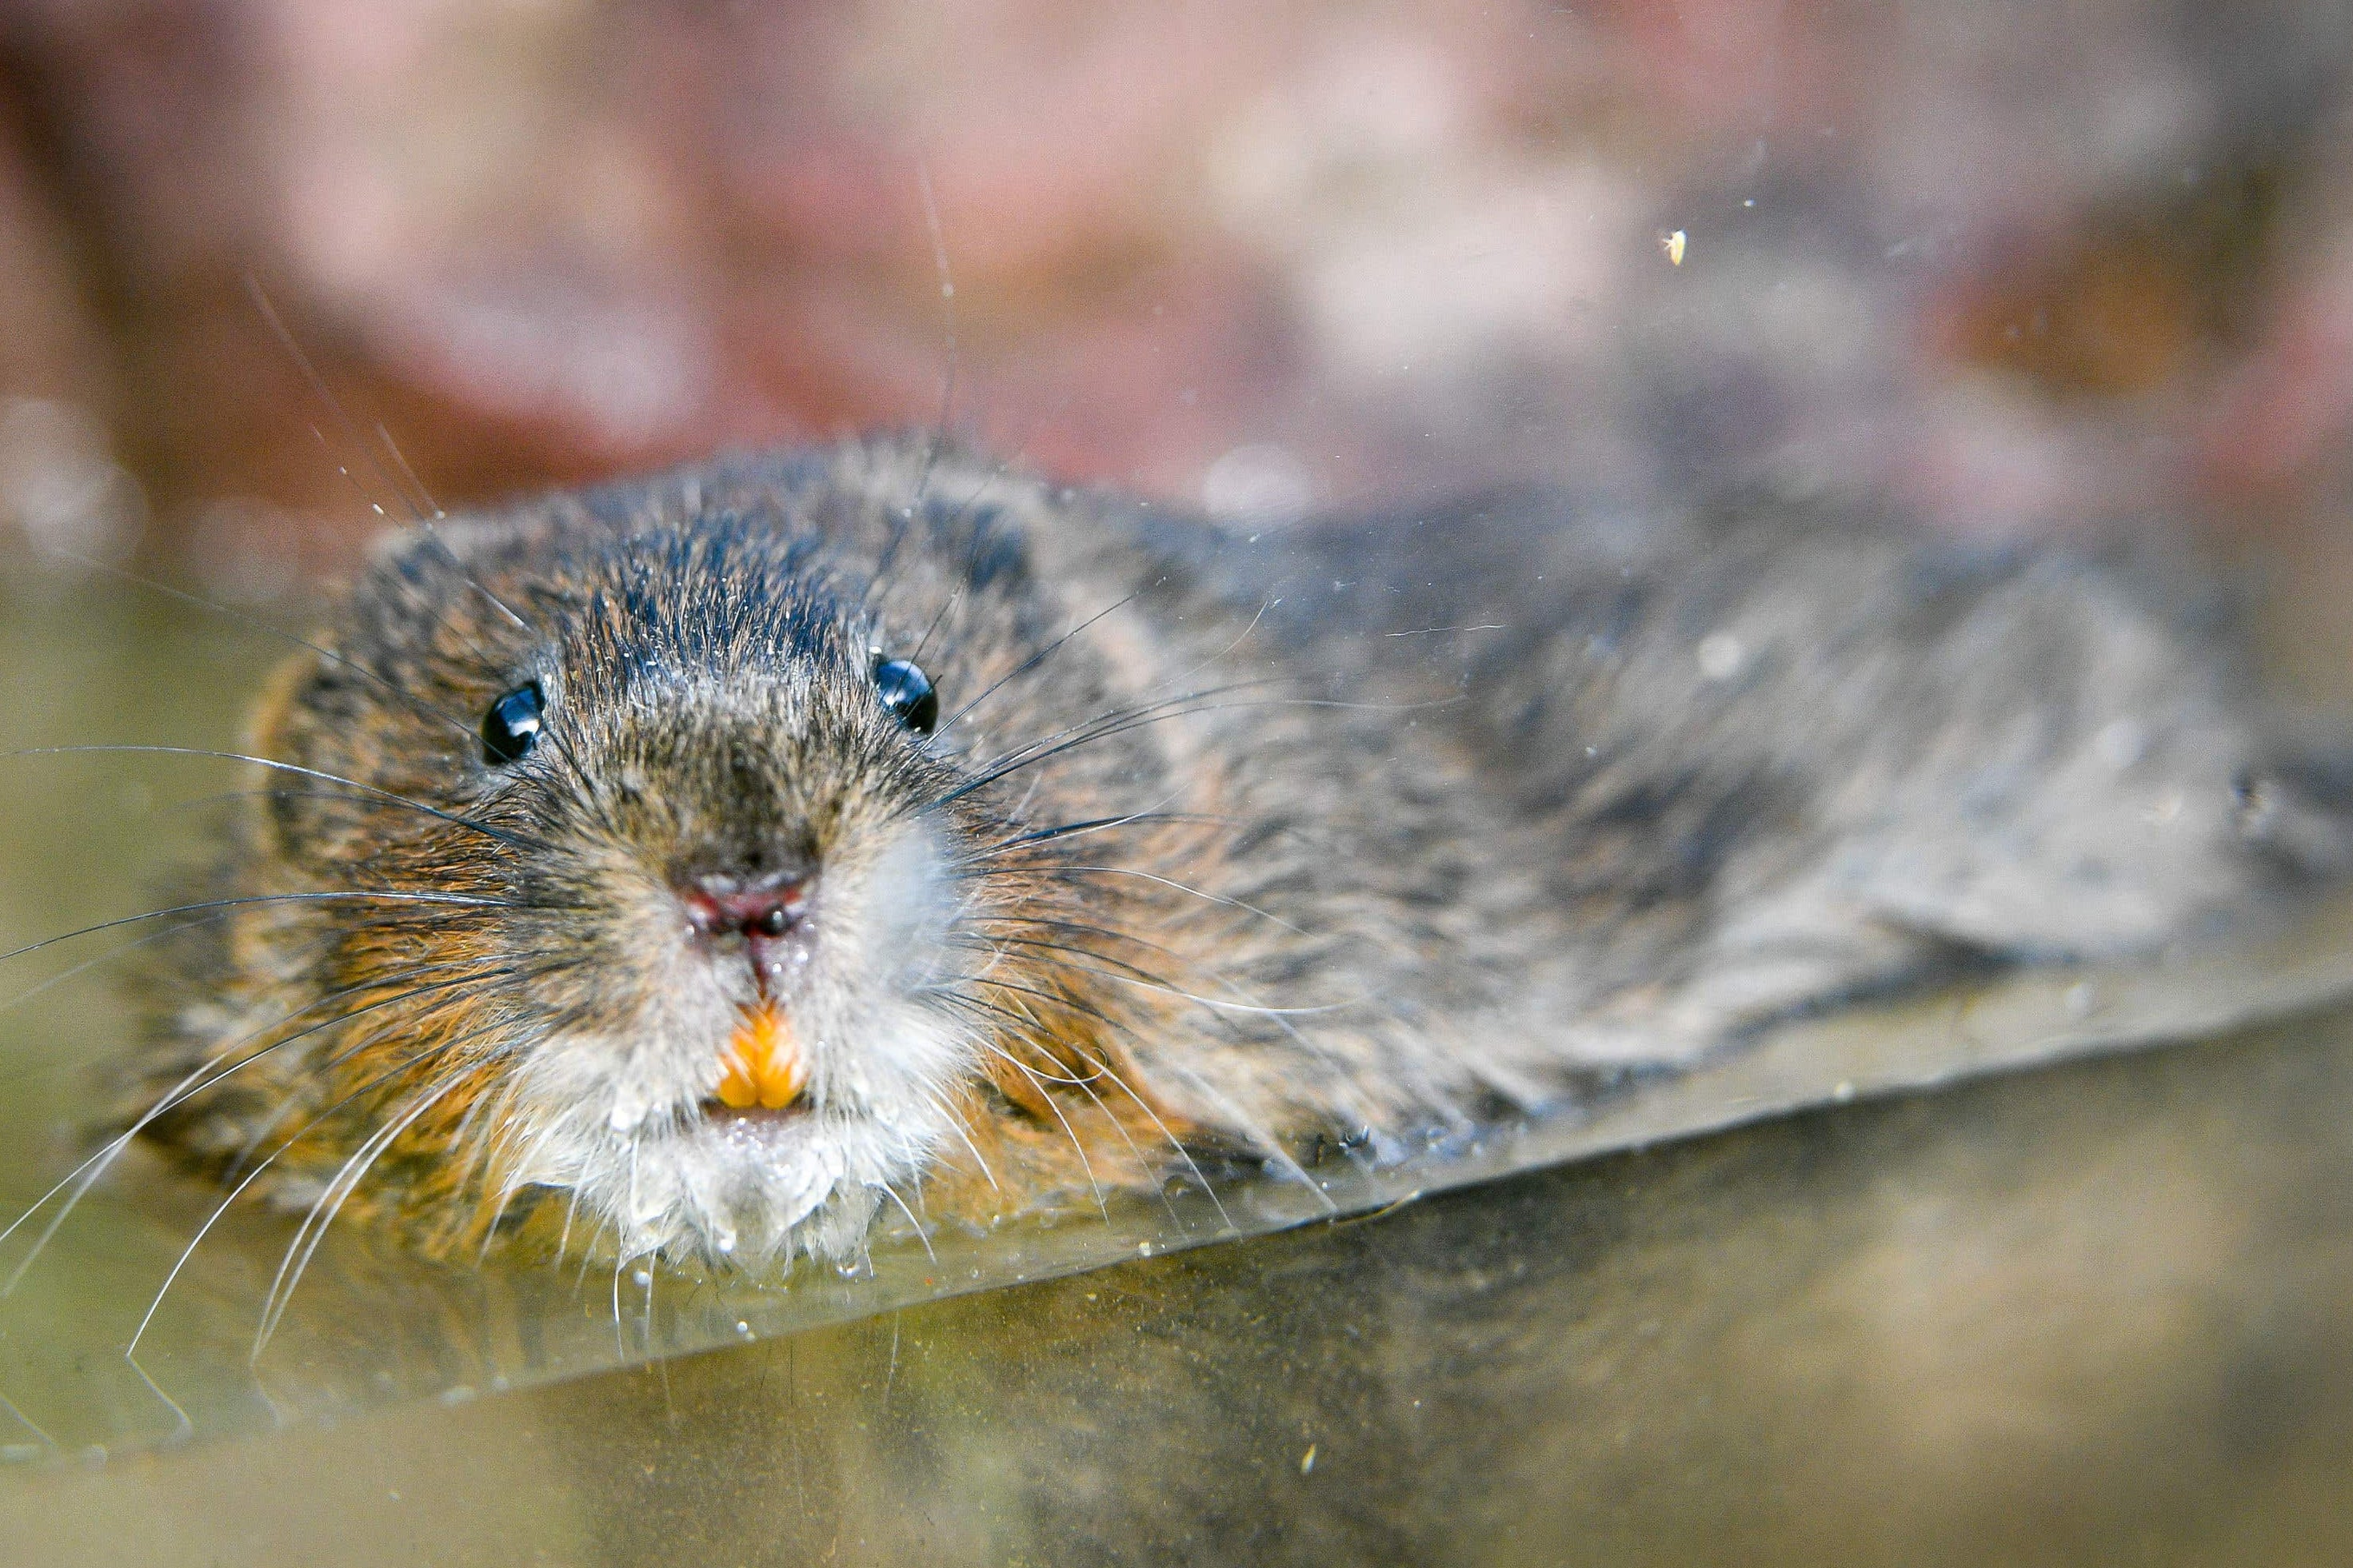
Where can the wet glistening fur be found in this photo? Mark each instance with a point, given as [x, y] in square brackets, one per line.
[694, 866]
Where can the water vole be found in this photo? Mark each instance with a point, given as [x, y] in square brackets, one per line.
[700, 863]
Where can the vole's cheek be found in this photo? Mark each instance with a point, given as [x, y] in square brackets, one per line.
[908, 897]
[865, 1009]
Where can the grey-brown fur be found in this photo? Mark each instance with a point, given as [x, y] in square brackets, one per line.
[1401, 824]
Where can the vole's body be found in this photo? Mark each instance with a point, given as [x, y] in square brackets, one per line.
[1231, 843]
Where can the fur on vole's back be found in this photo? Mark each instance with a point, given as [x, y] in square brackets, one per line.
[1218, 846]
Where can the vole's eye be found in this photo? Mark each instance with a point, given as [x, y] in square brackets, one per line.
[907, 691]
[511, 725]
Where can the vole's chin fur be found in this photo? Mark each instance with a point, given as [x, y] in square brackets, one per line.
[623, 1118]
[1343, 831]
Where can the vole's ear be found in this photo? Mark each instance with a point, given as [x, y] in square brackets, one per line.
[991, 544]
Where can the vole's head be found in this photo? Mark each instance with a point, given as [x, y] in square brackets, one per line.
[672, 882]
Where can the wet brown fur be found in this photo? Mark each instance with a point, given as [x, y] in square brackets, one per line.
[1416, 839]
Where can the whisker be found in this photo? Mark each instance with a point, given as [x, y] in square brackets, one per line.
[1174, 1142]
[1086, 1087]
[621, 1254]
[269, 312]
[1266, 1142]
[1048, 1094]
[1023, 1025]
[462, 900]
[585, 784]
[1117, 722]
[892, 1194]
[519, 841]
[1123, 712]
[186, 1428]
[1083, 1085]
[947, 325]
[1056, 870]
[955, 1122]
[219, 797]
[1151, 982]
[1032, 662]
[494, 1110]
[281, 1288]
[29, 1424]
[1105, 1067]
[430, 514]
[1077, 1145]
[1170, 710]
[650, 1279]
[415, 498]
[621, 1261]
[1053, 998]
[429, 710]
[91, 1171]
[1020, 811]
[1115, 714]
[515, 1181]
[564, 1242]
[1080, 829]
[1138, 716]
[112, 953]
[364, 1042]
[421, 501]
[1084, 928]
[255, 1175]
[1239, 638]
[507, 1194]
[954, 594]
[1280, 1015]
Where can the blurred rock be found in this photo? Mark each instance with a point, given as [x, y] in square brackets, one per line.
[2030, 267]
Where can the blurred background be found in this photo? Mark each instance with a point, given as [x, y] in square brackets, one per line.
[2022, 267]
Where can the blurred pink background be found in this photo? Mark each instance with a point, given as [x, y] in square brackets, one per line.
[2024, 266]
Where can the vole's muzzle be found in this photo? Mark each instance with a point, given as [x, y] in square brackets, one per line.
[766, 912]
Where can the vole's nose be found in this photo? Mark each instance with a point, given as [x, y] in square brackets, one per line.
[769, 905]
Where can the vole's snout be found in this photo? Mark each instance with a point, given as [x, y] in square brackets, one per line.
[754, 907]
[767, 911]
[771, 905]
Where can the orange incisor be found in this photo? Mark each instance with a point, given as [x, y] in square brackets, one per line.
[763, 1062]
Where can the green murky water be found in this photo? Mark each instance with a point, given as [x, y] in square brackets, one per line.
[2100, 1305]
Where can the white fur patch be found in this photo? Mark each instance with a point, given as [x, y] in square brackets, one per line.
[618, 1116]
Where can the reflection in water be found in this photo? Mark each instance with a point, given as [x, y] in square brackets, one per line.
[2099, 1309]
[2089, 1307]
